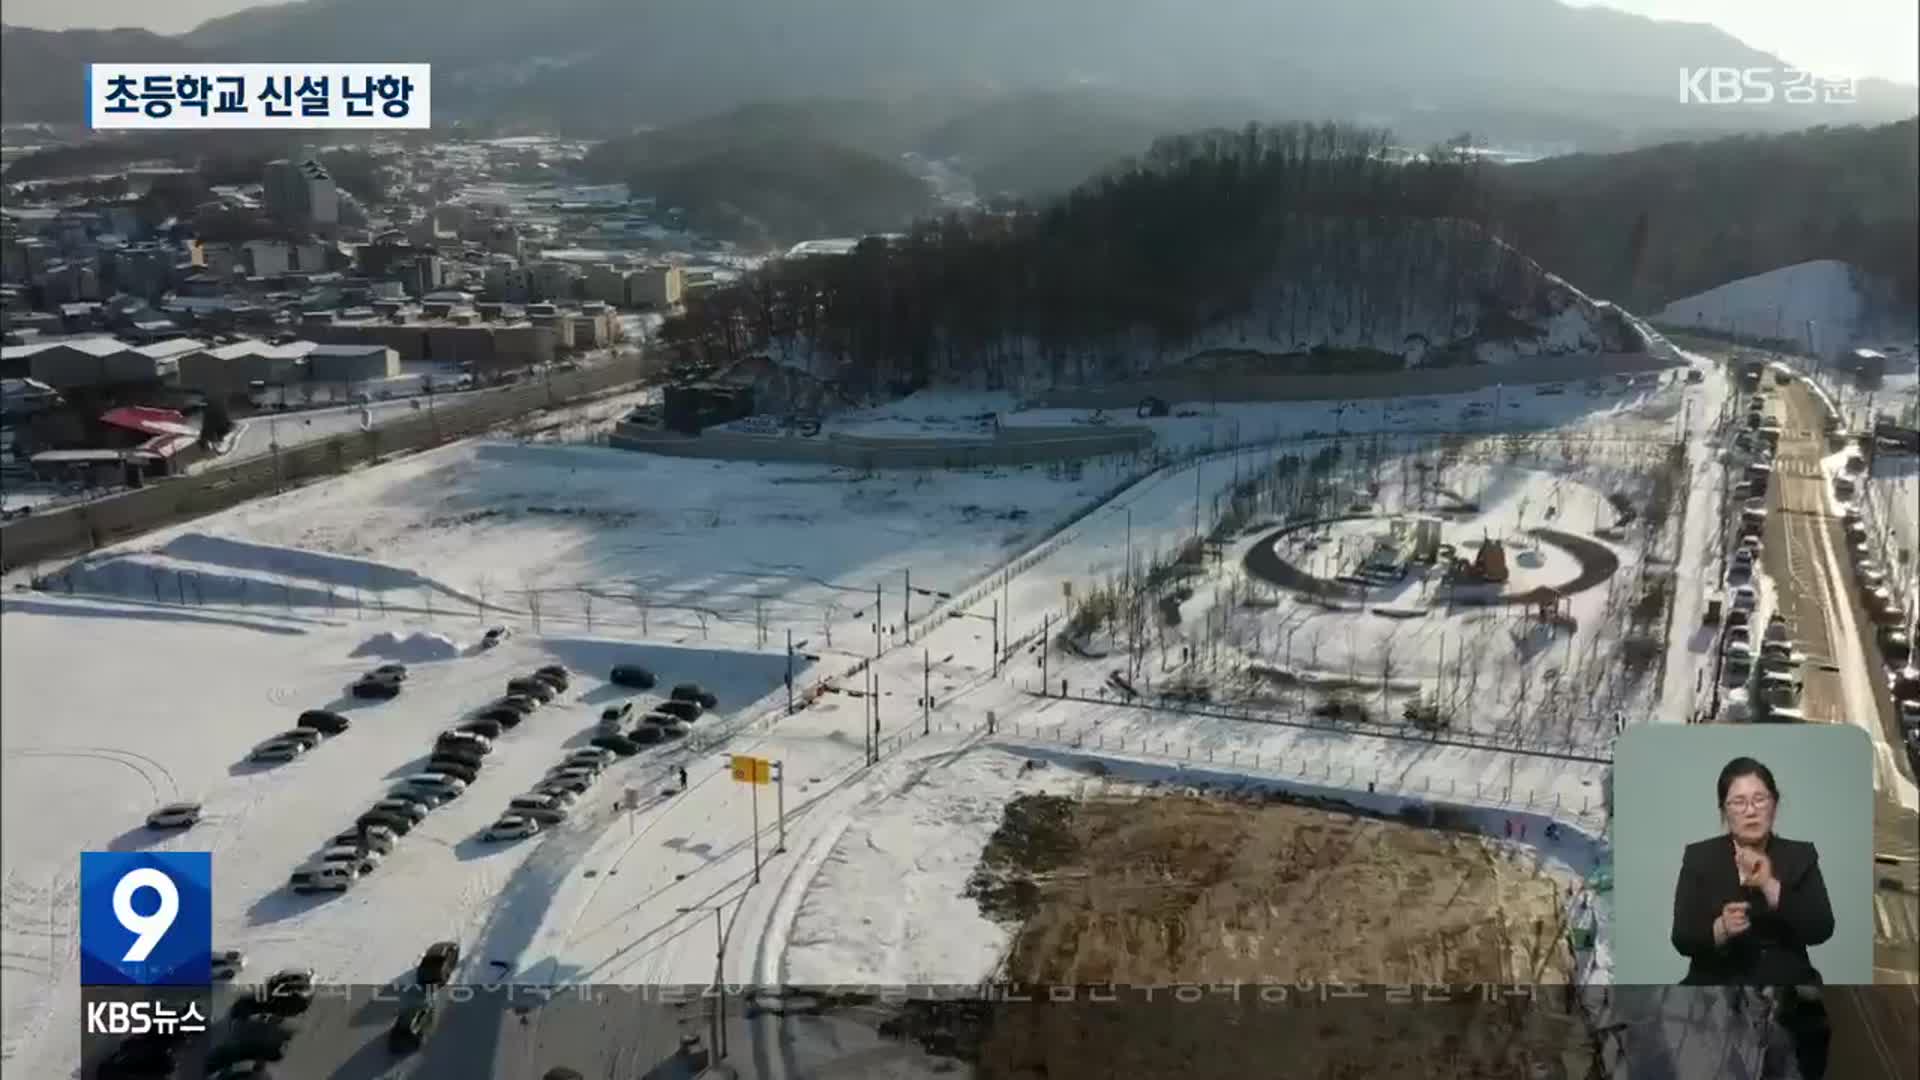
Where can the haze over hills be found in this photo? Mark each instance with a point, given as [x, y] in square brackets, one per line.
[1512, 69]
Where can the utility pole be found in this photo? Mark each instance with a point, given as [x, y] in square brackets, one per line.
[926, 692]
[719, 982]
[876, 715]
[789, 672]
[1046, 641]
[906, 606]
[876, 620]
[996, 637]
[780, 796]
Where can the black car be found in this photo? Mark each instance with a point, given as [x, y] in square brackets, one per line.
[467, 741]
[694, 692]
[632, 675]
[438, 962]
[259, 1042]
[500, 714]
[464, 752]
[679, 710]
[144, 1057]
[489, 728]
[290, 993]
[536, 689]
[324, 721]
[554, 673]
[661, 719]
[410, 1028]
[619, 744]
[460, 770]
[519, 703]
[379, 689]
[645, 734]
[561, 1072]
[401, 826]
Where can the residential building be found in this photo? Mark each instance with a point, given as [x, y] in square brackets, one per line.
[300, 193]
[656, 287]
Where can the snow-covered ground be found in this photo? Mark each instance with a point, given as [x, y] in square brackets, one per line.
[1826, 305]
[205, 639]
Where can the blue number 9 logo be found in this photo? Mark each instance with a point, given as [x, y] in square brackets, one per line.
[170, 943]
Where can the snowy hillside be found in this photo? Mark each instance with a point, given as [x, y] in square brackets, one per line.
[1825, 306]
[1340, 295]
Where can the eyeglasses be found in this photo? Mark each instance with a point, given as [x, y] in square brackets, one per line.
[1743, 803]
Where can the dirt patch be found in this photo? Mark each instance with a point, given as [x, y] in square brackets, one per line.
[1184, 888]
[1252, 907]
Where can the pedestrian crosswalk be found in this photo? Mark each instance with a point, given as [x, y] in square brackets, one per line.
[1797, 467]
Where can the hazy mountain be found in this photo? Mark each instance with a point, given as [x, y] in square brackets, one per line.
[619, 64]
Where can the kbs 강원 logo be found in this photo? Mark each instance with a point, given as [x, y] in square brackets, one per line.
[146, 918]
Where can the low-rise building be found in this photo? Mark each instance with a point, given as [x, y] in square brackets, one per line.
[231, 370]
[352, 363]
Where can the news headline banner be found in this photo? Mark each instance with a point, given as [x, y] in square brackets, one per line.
[147, 97]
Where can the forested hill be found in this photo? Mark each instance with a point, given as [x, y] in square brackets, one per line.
[1292, 248]
[1651, 226]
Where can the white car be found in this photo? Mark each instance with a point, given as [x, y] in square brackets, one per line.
[178, 815]
[512, 827]
[324, 877]
[574, 772]
[472, 738]
[347, 855]
[277, 751]
[591, 756]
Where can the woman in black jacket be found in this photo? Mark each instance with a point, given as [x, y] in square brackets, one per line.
[1749, 904]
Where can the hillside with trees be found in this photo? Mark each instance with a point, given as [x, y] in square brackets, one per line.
[1296, 248]
[1650, 226]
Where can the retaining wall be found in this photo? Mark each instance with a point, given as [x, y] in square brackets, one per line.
[75, 530]
[1416, 383]
[1014, 446]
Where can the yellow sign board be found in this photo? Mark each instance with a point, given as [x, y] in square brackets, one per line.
[752, 770]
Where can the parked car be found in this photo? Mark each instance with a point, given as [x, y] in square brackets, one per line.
[420, 797]
[511, 827]
[1896, 646]
[399, 824]
[572, 785]
[1745, 598]
[377, 837]
[363, 862]
[544, 814]
[441, 784]
[619, 744]
[437, 963]
[660, 719]
[141, 1057]
[1778, 630]
[573, 772]
[405, 808]
[276, 751]
[460, 770]
[631, 675]
[323, 877]
[677, 729]
[479, 743]
[494, 636]
[561, 1072]
[1738, 617]
[679, 710]
[508, 719]
[554, 673]
[250, 1042]
[597, 756]
[324, 721]
[306, 737]
[645, 734]
[376, 688]
[695, 693]
[491, 729]
[395, 672]
[410, 1028]
[465, 753]
[179, 815]
[228, 963]
[519, 703]
[533, 688]
[616, 714]
[1909, 712]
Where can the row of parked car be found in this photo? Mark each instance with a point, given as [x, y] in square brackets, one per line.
[553, 799]
[454, 763]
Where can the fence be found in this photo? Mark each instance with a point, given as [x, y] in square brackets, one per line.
[78, 529]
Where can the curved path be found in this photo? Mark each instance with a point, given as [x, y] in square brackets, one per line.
[1598, 562]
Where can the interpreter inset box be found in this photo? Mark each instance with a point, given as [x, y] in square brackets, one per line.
[1743, 855]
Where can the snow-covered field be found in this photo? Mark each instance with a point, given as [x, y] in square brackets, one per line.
[200, 641]
[1826, 305]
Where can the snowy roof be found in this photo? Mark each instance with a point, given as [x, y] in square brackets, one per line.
[292, 350]
[99, 345]
[345, 350]
[161, 350]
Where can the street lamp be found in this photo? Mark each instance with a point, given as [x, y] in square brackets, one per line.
[995, 620]
[906, 603]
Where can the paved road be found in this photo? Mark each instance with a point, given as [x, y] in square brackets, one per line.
[1804, 551]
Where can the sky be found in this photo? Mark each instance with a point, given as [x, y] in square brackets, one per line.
[1833, 37]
